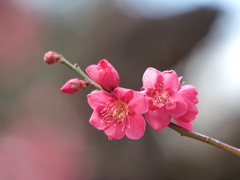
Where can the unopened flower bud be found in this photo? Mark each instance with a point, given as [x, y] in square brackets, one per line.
[73, 86]
[104, 74]
[51, 57]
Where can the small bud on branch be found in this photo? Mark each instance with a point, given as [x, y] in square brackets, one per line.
[72, 86]
[51, 57]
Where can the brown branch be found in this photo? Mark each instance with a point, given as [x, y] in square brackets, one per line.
[205, 139]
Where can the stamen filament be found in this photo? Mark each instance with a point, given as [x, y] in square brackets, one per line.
[115, 113]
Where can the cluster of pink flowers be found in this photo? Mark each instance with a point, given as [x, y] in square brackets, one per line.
[119, 111]
[167, 99]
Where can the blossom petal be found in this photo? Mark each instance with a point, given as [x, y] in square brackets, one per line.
[93, 72]
[186, 125]
[138, 104]
[108, 82]
[190, 115]
[136, 101]
[104, 64]
[189, 92]
[114, 131]
[170, 80]
[135, 127]
[96, 118]
[122, 94]
[151, 78]
[128, 96]
[181, 106]
[158, 119]
[98, 97]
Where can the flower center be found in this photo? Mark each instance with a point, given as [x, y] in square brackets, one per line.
[115, 113]
[162, 99]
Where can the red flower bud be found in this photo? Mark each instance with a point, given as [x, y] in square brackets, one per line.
[51, 57]
[73, 86]
[104, 74]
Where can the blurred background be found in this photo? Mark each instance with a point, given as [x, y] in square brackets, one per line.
[45, 134]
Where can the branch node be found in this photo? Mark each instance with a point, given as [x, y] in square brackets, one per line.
[76, 65]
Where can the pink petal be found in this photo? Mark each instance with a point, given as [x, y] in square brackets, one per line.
[104, 64]
[98, 97]
[181, 106]
[110, 68]
[153, 107]
[114, 131]
[186, 125]
[128, 96]
[66, 88]
[170, 80]
[158, 119]
[136, 101]
[138, 104]
[136, 126]
[109, 81]
[93, 72]
[72, 86]
[151, 78]
[189, 92]
[190, 115]
[123, 94]
[96, 118]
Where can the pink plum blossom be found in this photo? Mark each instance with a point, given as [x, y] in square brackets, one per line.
[104, 74]
[119, 112]
[167, 100]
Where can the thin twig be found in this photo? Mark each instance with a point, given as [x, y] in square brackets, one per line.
[205, 139]
[78, 70]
